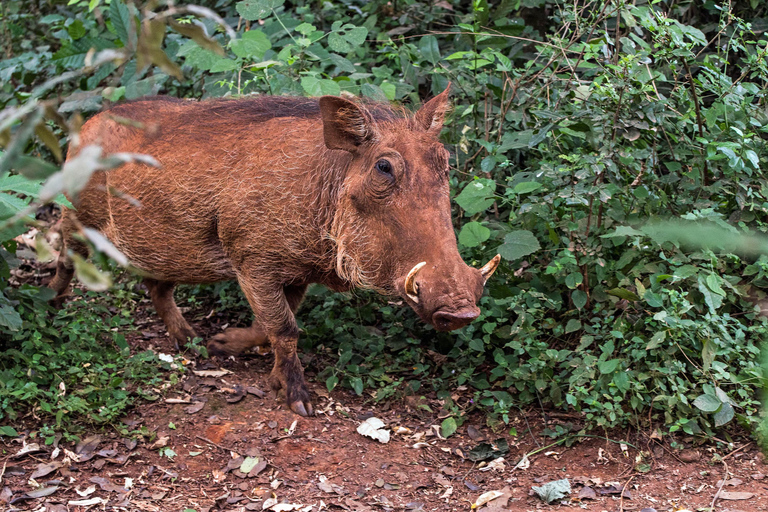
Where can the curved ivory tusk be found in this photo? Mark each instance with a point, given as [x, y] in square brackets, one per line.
[410, 283]
[489, 268]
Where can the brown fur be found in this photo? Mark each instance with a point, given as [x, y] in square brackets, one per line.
[278, 193]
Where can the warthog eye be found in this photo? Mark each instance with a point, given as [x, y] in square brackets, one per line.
[384, 167]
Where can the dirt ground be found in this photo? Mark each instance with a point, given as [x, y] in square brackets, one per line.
[220, 441]
[205, 434]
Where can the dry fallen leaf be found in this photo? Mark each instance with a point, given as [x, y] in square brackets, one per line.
[725, 495]
[372, 427]
[485, 498]
[211, 373]
[86, 503]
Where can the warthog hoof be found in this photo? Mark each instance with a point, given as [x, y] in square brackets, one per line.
[290, 378]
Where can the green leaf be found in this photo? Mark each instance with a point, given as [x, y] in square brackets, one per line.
[553, 491]
[91, 277]
[724, 415]
[448, 427]
[608, 366]
[72, 56]
[518, 244]
[707, 403]
[623, 294]
[527, 187]
[573, 325]
[579, 299]
[331, 383]
[708, 353]
[713, 300]
[477, 196]
[10, 318]
[253, 10]
[656, 340]
[473, 234]
[429, 49]
[653, 299]
[314, 86]
[252, 45]
[357, 385]
[8, 431]
[120, 16]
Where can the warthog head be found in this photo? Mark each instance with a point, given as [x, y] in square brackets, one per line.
[392, 224]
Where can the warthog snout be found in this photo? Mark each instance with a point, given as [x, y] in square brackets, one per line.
[445, 295]
[452, 320]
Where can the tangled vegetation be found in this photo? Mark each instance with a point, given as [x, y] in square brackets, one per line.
[574, 125]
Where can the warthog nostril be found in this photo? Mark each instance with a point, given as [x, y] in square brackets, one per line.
[450, 321]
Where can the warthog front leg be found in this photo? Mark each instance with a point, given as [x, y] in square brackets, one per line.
[273, 306]
[161, 293]
[236, 340]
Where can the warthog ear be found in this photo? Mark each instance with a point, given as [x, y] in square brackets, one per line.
[430, 117]
[345, 125]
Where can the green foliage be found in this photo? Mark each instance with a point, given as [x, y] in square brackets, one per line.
[569, 134]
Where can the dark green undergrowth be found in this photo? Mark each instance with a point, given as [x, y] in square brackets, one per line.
[576, 127]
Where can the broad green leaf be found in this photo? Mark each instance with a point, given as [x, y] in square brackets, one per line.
[573, 325]
[724, 415]
[623, 294]
[33, 168]
[608, 366]
[357, 385]
[579, 299]
[656, 340]
[314, 86]
[473, 234]
[448, 427]
[707, 403]
[429, 49]
[253, 10]
[518, 244]
[5, 430]
[477, 196]
[713, 300]
[653, 299]
[10, 318]
[527, 187]
[252, 45]
[120, 16]
[224, 65]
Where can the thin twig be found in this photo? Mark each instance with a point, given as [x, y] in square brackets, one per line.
[722, 483]
[215, 444]
[2, 473]
[737, 450]
[621, 500]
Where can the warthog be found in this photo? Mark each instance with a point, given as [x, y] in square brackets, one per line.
[279, 193]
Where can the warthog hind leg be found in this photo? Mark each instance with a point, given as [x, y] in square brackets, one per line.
[237, 340]
[161, 293]
[65, 268]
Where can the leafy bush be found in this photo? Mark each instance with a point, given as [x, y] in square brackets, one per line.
[569, 132]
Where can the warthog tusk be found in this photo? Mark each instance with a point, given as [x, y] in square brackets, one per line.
[411, 289]
[489, 268]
